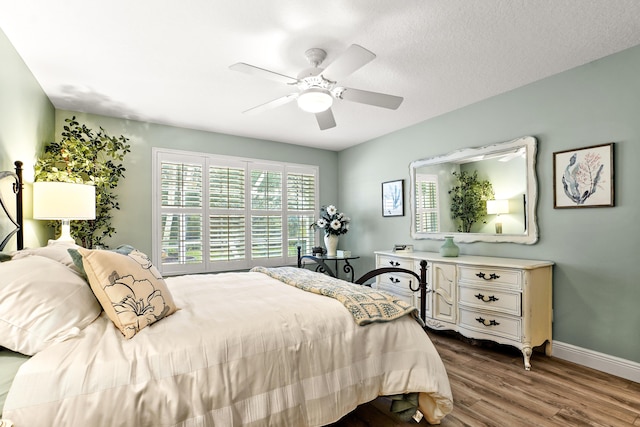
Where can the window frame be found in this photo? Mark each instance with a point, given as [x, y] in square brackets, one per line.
[208, 160]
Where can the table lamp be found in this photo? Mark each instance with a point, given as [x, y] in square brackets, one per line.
[497, 207]
[64, 201]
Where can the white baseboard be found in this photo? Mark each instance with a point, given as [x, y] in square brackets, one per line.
[602, 362]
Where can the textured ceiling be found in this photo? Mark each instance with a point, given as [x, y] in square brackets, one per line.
[167, 62]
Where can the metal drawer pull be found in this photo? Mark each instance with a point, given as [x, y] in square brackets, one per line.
[491, 276]
[485, 323]
[490, 298]
[394, 280]
[394, 263]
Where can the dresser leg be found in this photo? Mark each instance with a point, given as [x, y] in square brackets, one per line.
[526, 352]
[548, 348]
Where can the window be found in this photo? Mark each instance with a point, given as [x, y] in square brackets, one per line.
[217, 213]
[302, 207]
[427, 220]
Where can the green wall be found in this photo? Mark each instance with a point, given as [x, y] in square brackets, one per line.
[26, 121]
[596, 288]
[133, 221]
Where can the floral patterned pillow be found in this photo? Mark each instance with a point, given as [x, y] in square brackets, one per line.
[130, 289]
[77, 258]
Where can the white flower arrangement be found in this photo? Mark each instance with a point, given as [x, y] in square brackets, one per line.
[332, 221]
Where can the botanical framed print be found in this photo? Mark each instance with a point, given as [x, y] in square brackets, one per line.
[583, 177]
[393, 198]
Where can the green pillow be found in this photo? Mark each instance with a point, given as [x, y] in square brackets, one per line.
[4, 257]
[77, 258]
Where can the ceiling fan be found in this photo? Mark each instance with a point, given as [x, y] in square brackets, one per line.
[318, 87]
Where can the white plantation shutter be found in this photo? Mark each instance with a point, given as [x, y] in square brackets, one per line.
[181, 214]
[266, 211]
[216, 213]
[227, 216]
[301, 210]
[228, 237]
[427, 219]
[266, 236]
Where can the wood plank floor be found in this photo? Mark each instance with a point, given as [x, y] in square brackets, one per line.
[491, 388]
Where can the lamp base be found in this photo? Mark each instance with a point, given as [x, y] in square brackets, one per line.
[65, 235]
[498, 228]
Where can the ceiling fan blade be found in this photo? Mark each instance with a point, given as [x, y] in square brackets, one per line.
[372, 98]
[272, 104]
[353, 58]
[325, 119]
[261, 72]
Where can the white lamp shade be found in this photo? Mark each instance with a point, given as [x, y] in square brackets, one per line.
[497, 207]
[315, 100]
[63, 201]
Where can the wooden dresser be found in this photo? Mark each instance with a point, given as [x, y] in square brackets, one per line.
[505, 300]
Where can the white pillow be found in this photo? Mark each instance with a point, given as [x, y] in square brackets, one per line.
[42, 302]
[57, 251]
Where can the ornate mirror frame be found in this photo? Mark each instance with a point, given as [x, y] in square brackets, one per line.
[527, 145]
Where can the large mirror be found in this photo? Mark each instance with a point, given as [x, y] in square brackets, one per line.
[485, 194]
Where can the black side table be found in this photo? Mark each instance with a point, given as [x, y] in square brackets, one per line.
[323, 267]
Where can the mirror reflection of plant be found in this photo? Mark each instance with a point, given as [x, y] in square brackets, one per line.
[86, 157]
[469, 198]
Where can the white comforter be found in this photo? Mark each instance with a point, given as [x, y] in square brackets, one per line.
[244, 349]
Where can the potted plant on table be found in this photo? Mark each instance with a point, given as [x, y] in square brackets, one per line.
[333, 223]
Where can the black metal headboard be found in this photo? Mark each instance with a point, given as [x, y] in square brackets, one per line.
[13, 216]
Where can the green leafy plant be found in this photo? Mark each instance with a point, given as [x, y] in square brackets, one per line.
[469, 198]
[87, 157]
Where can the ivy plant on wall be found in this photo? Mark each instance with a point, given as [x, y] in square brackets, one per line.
[87, 157]
[469, 198]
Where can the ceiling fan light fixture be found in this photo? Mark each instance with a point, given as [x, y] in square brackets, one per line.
[315, 100]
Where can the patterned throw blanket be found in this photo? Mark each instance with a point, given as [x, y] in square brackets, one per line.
[365, 304]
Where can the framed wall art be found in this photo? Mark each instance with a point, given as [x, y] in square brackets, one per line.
[583, 177]
[393, 198]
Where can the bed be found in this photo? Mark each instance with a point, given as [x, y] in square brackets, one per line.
[269, 347]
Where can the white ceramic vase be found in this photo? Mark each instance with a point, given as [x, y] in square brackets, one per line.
[331, 243]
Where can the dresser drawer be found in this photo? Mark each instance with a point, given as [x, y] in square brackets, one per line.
[395, 283]
[384, 261]
[397, 280]
[490, 276]
[491, 323]
[404, 295]
[491, 299]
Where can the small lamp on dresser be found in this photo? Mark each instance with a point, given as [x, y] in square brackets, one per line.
[64, 201]
[497, 207]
